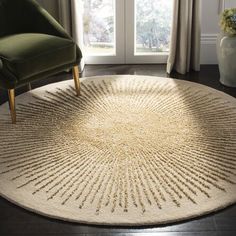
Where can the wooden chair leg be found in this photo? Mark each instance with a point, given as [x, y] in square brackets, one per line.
[11, 96]
[29, 87]
[76, 80]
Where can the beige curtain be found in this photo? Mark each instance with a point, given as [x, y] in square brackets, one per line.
[71, 19]
[185, 37]
[65, 13]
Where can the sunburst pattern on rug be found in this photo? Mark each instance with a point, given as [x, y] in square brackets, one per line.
[130, 150]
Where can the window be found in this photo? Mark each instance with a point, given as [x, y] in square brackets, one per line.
[99, 28]
[126, 31]
[153, 26]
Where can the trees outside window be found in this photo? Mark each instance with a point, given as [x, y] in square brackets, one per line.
[98, 22]
[153, 25]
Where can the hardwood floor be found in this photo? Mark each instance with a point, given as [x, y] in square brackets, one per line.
[15, 221]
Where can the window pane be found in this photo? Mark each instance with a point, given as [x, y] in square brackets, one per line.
[98, 22]
[153, 26]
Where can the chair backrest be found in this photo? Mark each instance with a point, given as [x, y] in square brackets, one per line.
[15, 17]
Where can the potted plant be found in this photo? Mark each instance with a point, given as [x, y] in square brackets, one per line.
[226, 48]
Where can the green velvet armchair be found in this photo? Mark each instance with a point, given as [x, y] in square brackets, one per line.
[33, 46]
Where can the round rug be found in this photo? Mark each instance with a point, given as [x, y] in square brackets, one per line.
[131, 150]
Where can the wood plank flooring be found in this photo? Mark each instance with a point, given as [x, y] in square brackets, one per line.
[15, 221]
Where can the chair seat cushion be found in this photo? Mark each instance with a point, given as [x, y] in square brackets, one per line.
[26, 55]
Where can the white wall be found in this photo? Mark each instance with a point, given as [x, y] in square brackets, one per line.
[210, 29]
[230, 3]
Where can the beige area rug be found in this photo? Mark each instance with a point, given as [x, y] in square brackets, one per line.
[132, 150]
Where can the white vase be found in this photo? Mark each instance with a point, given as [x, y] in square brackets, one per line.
[226, 53]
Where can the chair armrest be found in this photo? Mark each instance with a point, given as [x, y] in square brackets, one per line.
[43, 22]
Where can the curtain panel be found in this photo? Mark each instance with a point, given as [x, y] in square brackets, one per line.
[185, 37]
[71, 20]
